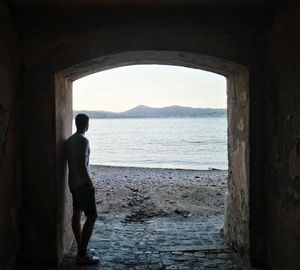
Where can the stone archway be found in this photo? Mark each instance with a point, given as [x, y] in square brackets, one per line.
[237, 212]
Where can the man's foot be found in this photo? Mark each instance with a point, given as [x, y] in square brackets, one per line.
[92, 251]
[87, 259]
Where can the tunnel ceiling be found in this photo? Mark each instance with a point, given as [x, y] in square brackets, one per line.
[228, 3]
[51, 22]
[34, 17]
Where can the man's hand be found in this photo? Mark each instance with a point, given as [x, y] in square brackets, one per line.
[91, 186]
[84, 173]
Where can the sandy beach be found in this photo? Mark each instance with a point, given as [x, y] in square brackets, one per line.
[141, 193]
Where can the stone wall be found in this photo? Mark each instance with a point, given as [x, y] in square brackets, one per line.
[40, 190]
[64, 118]
[237, 225]
[9, 167]
[283, 138]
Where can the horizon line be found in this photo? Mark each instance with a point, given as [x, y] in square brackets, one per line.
[141, 105]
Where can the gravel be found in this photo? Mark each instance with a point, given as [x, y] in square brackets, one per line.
[142, 193]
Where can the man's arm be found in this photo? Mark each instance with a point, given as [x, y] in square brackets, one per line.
[84, 171]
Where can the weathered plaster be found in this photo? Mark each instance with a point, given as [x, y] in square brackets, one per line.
[237, 220]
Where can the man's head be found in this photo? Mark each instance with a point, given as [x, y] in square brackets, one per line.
[82, 122]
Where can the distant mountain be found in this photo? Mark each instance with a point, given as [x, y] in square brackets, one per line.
[142, 111]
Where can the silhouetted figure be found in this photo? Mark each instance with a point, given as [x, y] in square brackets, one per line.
[82, 189]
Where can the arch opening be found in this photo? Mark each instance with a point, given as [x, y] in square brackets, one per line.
[237, 207]
[146, 121]
[155, 92]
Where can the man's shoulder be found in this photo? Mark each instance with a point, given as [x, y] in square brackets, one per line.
[83, 139]
[71, 138]
[78, 138]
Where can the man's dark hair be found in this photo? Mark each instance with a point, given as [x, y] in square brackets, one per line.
[81, 121]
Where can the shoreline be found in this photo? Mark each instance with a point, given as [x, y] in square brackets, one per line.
[155, 168]
[142, 193]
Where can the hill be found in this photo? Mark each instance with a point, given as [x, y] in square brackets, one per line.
[142, 111]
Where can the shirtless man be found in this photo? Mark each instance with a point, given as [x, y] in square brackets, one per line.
[82, 189]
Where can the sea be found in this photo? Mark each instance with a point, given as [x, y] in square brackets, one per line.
[181, 143]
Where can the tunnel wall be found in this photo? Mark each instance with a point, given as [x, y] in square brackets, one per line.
[9, 167]
[63, 124]
[237, 229]
[40, 190]
[283, 133]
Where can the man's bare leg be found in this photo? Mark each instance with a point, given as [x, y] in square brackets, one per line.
[87, 231]
[76, 226]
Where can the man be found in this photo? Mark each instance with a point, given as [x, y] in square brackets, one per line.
[82, 189]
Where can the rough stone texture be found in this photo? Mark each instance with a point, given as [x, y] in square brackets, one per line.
[9, 167]
[283, 131]
[237, 214]
[63, 126]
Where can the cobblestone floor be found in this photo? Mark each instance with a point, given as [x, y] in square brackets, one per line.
[159, 243]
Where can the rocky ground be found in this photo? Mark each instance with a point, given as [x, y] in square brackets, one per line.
[159, 219]
[142, 193]
[192, 243]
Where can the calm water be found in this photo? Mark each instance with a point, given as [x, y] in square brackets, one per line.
[189, 143]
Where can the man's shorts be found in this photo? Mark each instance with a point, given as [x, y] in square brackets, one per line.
[84, 199]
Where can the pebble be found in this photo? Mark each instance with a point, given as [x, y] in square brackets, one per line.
[144, 194]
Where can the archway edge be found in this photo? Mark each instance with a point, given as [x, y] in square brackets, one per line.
[209, 63]
[237, 218]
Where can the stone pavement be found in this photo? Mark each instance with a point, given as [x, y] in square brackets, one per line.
[159, 243]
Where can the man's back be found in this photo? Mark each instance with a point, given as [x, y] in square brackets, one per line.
[77, 152]
[82, 189]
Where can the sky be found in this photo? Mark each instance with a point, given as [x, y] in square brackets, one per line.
[123, 88]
